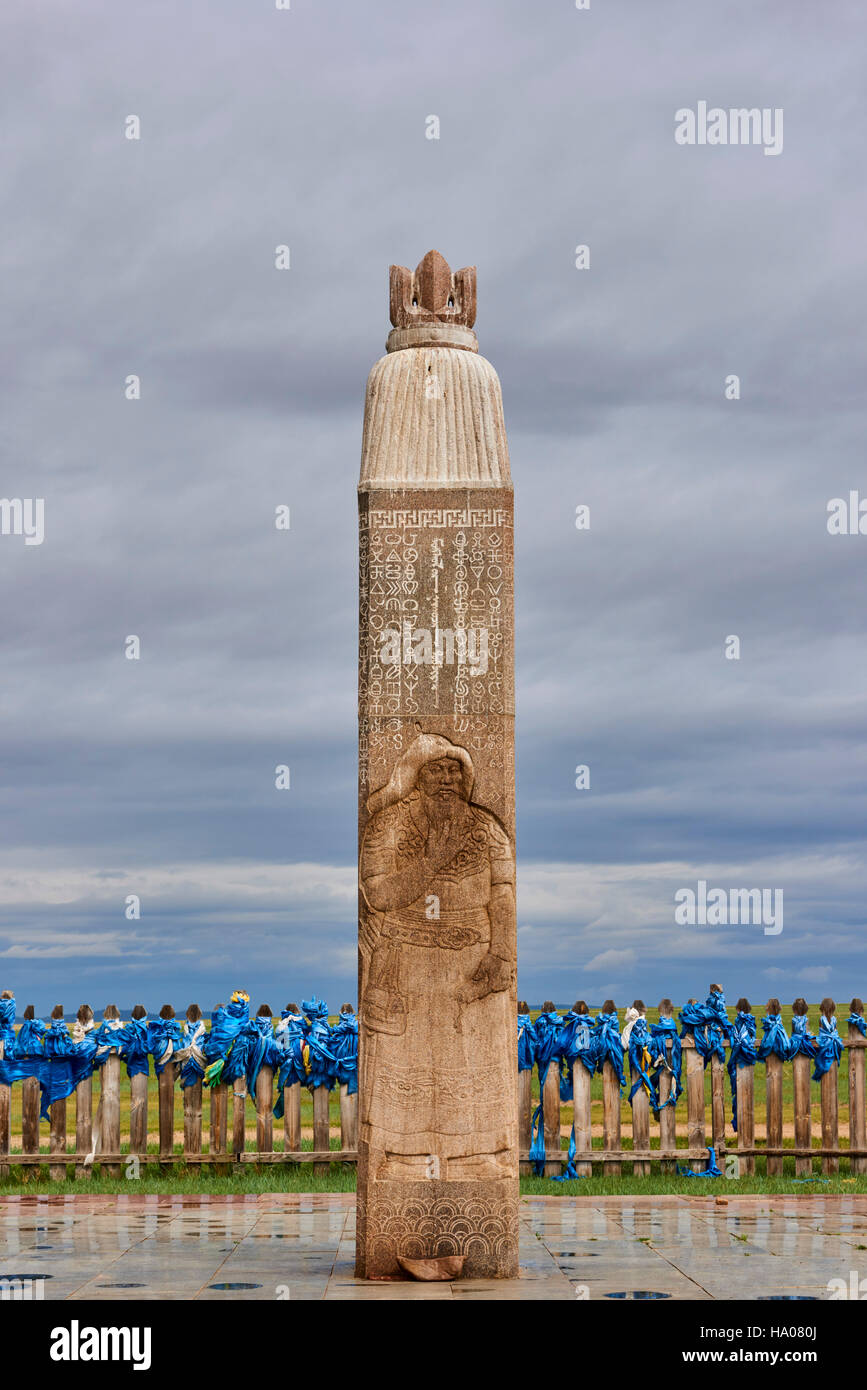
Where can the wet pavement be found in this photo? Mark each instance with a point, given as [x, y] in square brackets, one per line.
[290, 1246]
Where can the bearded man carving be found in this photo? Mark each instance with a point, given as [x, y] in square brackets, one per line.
[437, 878]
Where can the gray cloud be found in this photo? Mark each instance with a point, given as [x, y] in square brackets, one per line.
[155, 257]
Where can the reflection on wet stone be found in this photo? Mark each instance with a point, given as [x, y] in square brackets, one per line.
[307, 1245]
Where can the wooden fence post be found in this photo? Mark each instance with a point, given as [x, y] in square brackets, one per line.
[803, 1119]
[801, 1102]
[83, 1102]
[193, 1118]
[5, 1111]
[640, 1128]
[109, 1101]
[830, 1124]
[57, 1131]
[610, 1117]
[83, 1127]
[5, 1128]
[582, 1082]
[138, 1103]
[745, 1084]
[348, 1104]
[192, 1102]
[166, 1090]
[640, 1115]
[611, 1141]
[239, 1116]
[774, 1103]
[550, 1100]
[525, 1107]
[138, 1113]
[348, 1118]
[218, 1107]
[30, 1105]
[717, 1096]
[321, 1125]
[30, 1115]
[857, 1119]
[263, 1099]
[667, 1116]
[695, 1121]
[57, 1140]
[745, 1091]
[551, 1121]
[828, 1090]
[718, 1107]
[264, 1117]
[166, 1087]
[525, 1118]
[292, 1118]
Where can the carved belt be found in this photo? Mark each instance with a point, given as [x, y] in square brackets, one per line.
[451, 932]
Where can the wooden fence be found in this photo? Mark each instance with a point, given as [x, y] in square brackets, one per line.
[97, 1132]
[666, 1128]
[85, 1131]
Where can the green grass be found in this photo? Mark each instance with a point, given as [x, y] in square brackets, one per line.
[341, 1178]
[661, 1184]
[297, 1178]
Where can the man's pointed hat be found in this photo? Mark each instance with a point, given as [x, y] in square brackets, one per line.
[425, 748]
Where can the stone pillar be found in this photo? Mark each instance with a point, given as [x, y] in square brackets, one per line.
[437, 1150]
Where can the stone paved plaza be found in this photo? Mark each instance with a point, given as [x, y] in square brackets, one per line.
[302, 1247]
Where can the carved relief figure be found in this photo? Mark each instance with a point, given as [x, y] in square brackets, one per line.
[437, 877]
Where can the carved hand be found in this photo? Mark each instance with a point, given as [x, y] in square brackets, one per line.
[492, 975]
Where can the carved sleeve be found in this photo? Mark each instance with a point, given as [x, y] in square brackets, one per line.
[502, 860]
[393, 869]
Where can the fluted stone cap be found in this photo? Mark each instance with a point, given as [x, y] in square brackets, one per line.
[433, 415]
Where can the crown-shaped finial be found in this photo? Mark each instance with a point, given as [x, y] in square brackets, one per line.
[432, 294]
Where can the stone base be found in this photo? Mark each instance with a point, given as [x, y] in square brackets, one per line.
[420, 1220]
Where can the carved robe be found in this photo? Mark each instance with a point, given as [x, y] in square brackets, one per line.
[439, 1070]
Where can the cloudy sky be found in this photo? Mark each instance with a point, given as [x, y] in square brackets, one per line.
[156, 257]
